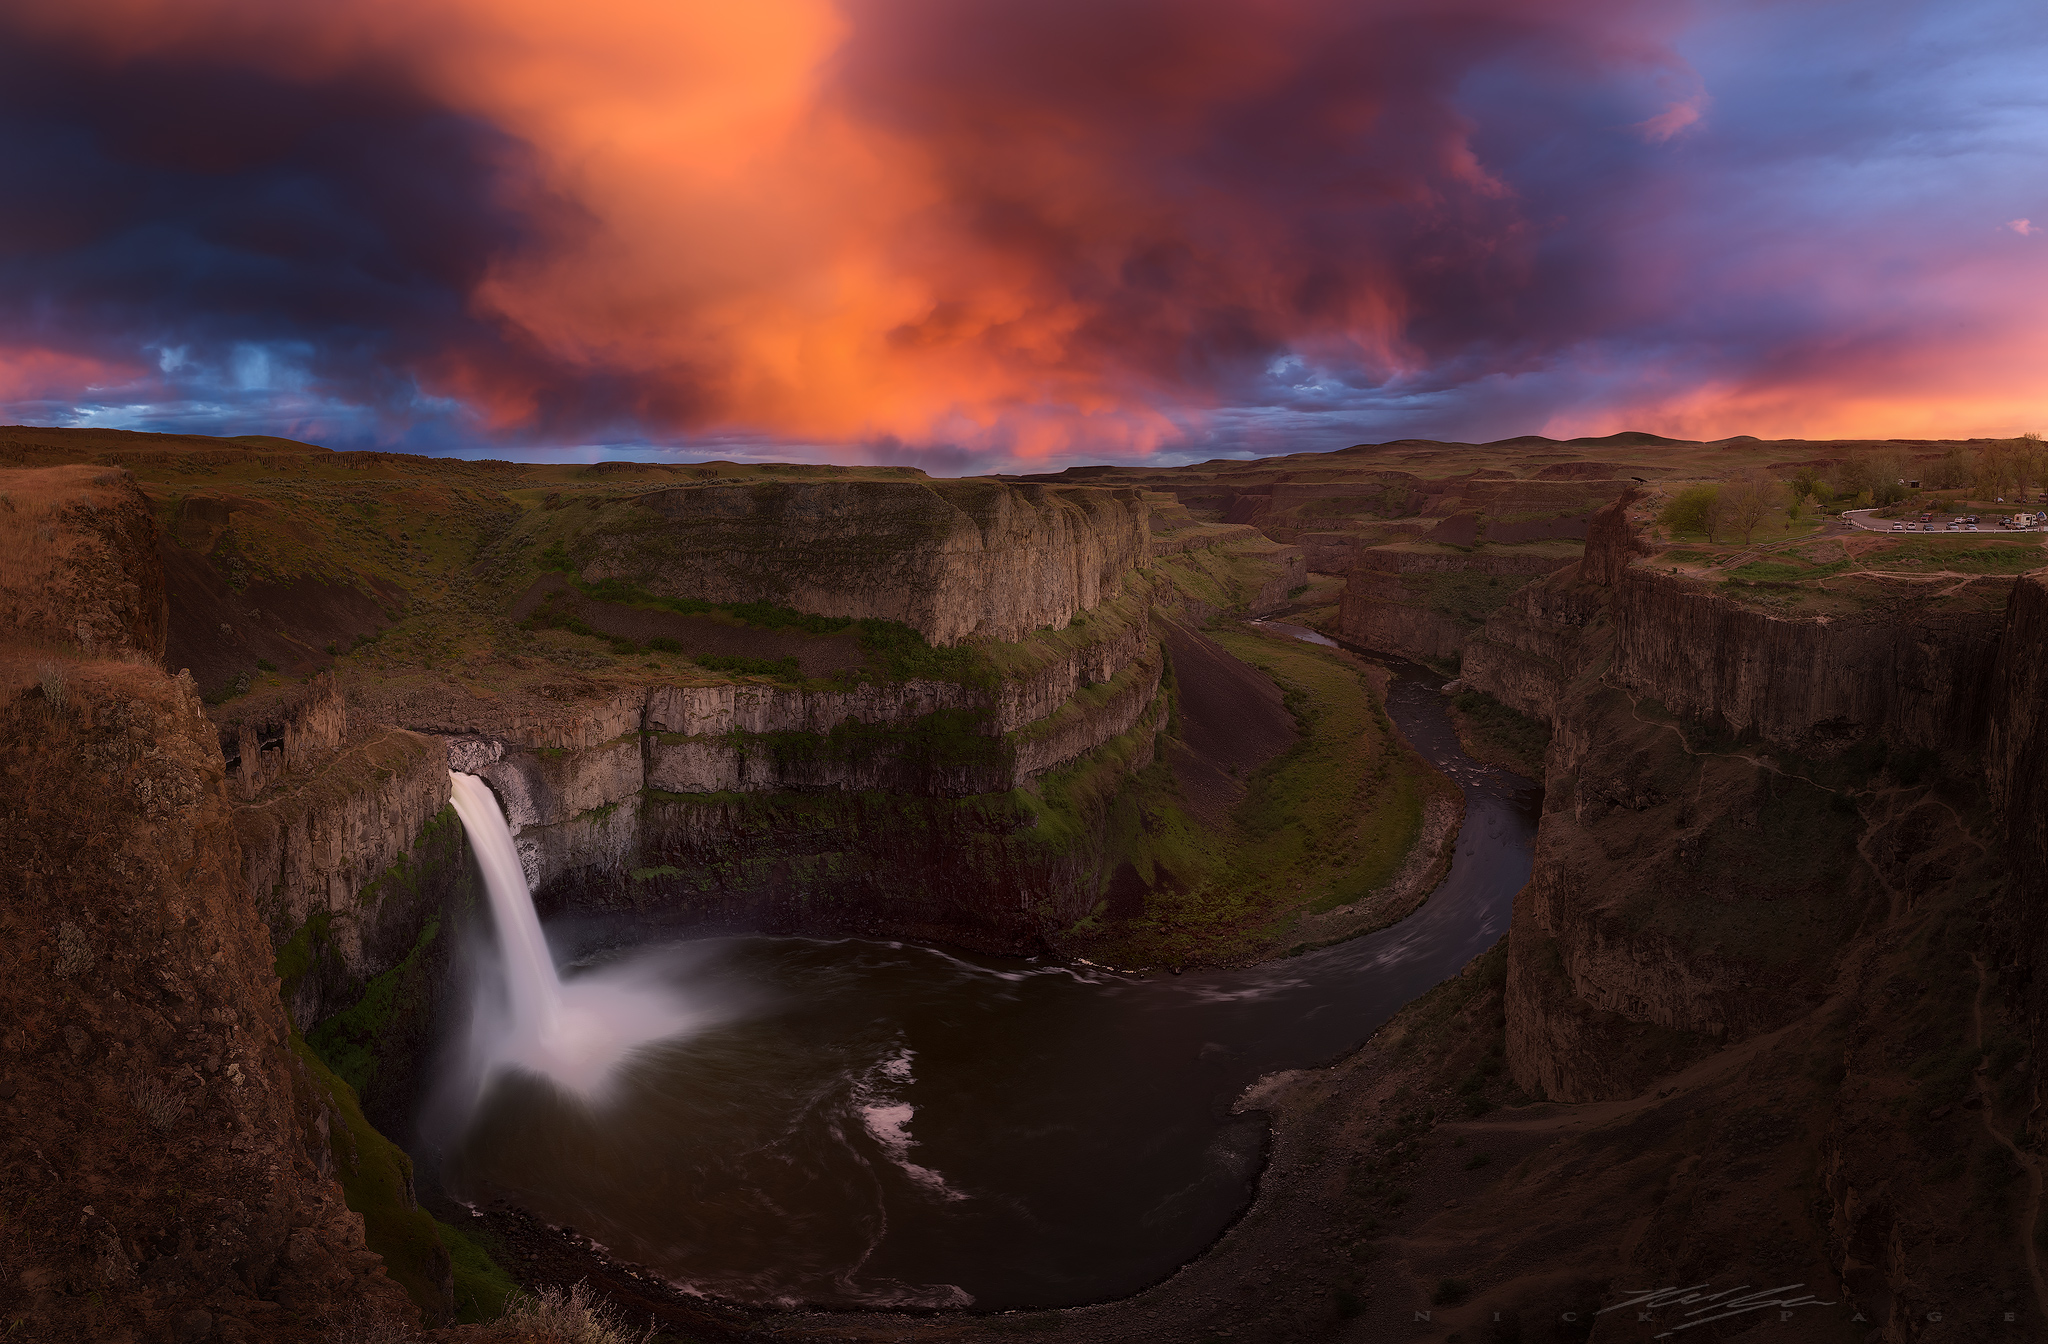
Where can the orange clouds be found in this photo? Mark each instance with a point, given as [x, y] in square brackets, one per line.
[1019, 229]
[30, 372]
[1033, 228]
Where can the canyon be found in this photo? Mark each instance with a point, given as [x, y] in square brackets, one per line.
[1766, 1010]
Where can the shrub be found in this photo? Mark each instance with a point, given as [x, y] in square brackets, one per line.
[577, 1316]
[664, 644]
[361, 1323]
[1450, 1292]
[156, 1103]
[51, 679]
[222, 694]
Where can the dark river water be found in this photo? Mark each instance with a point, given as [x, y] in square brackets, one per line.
[873, 1122]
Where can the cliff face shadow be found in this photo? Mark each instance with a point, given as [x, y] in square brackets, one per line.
[1233, 720]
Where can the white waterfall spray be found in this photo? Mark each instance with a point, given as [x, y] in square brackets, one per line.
[575, 1034]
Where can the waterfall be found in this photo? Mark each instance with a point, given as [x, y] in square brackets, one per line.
[530, 980]
[573, 1033]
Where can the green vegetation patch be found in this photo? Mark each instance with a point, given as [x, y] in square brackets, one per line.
[1465, 597]
[1983, 557]
[1787, 570]
[482, 1287]
[377, 1182]
[896, 650]
[1224, 578]
[347, 1041]
[301, 952]
[1520, 740]
[784, 669]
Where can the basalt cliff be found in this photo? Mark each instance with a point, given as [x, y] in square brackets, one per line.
[171, 1159]
[1777, 956]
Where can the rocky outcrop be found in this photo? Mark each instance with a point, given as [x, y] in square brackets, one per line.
[1290, 576]
[1427, 602]
[1091, 718]
[952, 559]
[325, 857]
[1651, 931]
[81, 570]
[1329, 552]
[713, 711]
[2016, 769]
[1196, 535]
[1379, 615]
[262, 743]
[1000, 872]
[163, 1159]
[578, 811]
[1909, 671]
[1911, 674]
[1489, 561]
[1530, 649]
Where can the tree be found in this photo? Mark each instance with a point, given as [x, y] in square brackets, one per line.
[1749, 502]
[1873, 473]
[2025, 456]
[1951, 473]
[1994, 469]
[1694, 509]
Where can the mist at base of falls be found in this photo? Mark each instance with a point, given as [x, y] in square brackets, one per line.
[523, 1017]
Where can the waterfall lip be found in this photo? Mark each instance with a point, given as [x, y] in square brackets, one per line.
[469, 753]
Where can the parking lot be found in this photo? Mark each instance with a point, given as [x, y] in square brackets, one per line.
[1865, 519]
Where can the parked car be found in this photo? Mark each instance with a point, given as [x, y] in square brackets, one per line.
[1898, 527]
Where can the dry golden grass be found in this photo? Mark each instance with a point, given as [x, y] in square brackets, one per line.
[35, 536]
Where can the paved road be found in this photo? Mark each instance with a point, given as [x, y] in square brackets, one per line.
[1862, 518]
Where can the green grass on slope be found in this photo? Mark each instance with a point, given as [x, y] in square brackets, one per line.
[481, 1286]
[895, 649]
[376, 1180]
[1327, 822]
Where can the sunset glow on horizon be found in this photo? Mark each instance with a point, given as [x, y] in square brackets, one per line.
[973, 236]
